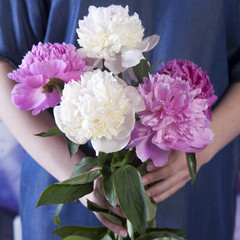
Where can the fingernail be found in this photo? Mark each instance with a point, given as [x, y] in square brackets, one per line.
[123, 233]
[148, 193]
[144, 181]
[150, 166]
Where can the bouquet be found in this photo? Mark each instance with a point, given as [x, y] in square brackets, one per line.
[106, 93]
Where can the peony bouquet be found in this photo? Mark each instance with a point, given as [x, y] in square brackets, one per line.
[106, 93]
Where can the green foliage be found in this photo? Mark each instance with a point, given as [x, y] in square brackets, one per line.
[66, 231]
[82, 178]
[52, 132]
[160, 236]
[54, 83]
[57, 193]
[107, 183]
[72, 147]
[141, 70]
[85, 164]
[56, 218]
[105, 212]
[192, 166]
[155, 65]
[131, 196]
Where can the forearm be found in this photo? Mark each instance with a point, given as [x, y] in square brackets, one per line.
[51, 153]
[225, 124]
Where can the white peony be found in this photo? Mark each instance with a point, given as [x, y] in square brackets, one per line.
[111, 34]
[100, 107]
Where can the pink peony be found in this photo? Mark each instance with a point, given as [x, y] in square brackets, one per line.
[174, 119]
[197, 78]
[43, 62]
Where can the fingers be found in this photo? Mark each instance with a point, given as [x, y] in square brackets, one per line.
[175, 163]
[165, 188]
[163, 196]
[168, 179]
[97, 196]
[100, 199]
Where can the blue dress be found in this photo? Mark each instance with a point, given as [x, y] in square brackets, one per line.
[205, 32]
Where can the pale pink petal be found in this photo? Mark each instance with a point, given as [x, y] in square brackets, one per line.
[115, 64]
[149, 43]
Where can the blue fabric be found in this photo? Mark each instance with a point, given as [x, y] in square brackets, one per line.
[11, 154]
[205, 32]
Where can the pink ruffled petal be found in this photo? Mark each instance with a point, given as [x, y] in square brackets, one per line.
[68, 76]
[49, 69]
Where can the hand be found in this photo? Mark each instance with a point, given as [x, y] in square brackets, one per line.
[97, 196]
[169, 178]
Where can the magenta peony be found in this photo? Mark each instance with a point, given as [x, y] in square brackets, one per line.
[43, 62]
[174, 119]
[190, 72]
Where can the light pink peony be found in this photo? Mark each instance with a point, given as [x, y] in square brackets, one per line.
[197, 78]
[43, 62]
[174, 119]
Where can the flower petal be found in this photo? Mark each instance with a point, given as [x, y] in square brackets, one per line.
[53, 98]
[115, 64]
[63, 128]
[109, 145]
[49, 69]
[149, 43]
[131, 58]
[26, 98]
[135, 99]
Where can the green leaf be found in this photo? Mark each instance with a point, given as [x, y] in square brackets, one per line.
[77, 238]
[95, 207]
[57, 193]
[178, 231]
[141, 70]
[131, 196]
[54, 82]
[56, 218]
[106, 237]
[104, 211]
[192, 166]
[152, 209]
[119, 156]
[85, 164]
[153, 67]
[107, 183]
[102, 157]
[52, 132]
[112, 218]
[72, 147]
[130, 230]
[65, 231]
[82, 178]
[160, 236]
